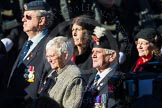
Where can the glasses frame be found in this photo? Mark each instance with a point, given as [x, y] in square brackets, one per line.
[30, 17]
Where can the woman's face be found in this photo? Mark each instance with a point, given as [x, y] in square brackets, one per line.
[56, 61]
[80, 35]
[144, 48]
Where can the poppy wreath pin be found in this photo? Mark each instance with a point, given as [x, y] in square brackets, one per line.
[98, 33]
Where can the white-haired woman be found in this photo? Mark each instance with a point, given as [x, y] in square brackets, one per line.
[68, 83]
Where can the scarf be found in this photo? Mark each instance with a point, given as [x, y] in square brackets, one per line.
[140, 62]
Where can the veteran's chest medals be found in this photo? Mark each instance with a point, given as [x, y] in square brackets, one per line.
[29, 74]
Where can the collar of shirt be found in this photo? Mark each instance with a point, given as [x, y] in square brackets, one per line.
[36, 40]
[105, 72]
[39, 36]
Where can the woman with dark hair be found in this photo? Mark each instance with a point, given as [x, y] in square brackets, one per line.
[82, 28]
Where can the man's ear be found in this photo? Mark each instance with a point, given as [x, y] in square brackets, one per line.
[112, 56]
[66, 56]
[42, 21]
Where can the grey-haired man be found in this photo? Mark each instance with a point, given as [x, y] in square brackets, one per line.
[30, 65]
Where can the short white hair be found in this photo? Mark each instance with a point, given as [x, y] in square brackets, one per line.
[48, 14]
[109, 51]
[61, 45]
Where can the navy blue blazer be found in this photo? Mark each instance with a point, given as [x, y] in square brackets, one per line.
[18, 87]
[106, 91]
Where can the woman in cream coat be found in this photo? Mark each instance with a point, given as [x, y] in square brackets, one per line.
[67, 88]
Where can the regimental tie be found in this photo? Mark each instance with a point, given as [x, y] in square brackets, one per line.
[97, 77]
[24, 51]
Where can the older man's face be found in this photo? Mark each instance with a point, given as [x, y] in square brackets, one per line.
[100, 58]
[30, 21]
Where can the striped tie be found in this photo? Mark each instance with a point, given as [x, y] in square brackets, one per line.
[97, 77]
[24, 51]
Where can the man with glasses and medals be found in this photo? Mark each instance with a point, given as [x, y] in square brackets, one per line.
[23, 82]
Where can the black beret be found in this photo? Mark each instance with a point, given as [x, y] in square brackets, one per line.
[148, 34]
[36, 5]
[103, 43]
[100, 39]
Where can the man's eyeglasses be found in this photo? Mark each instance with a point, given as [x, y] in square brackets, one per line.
[28, 17]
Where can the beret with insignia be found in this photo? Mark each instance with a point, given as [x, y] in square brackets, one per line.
[36, 5]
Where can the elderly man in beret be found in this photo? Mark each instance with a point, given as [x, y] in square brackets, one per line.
[26, 74]
[100, 91]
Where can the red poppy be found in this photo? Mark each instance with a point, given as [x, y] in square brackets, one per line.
[111, 88]
[95, 38]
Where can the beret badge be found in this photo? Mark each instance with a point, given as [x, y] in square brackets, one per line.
[98, 33]
[25, 7]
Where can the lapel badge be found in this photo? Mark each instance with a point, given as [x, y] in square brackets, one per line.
[30, 56]
[101, 84]
[29, 74]
[98, 88]
[25, 7]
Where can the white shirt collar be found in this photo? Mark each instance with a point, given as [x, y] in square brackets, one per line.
[105, 72]
[39, 36]
[36, 40]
